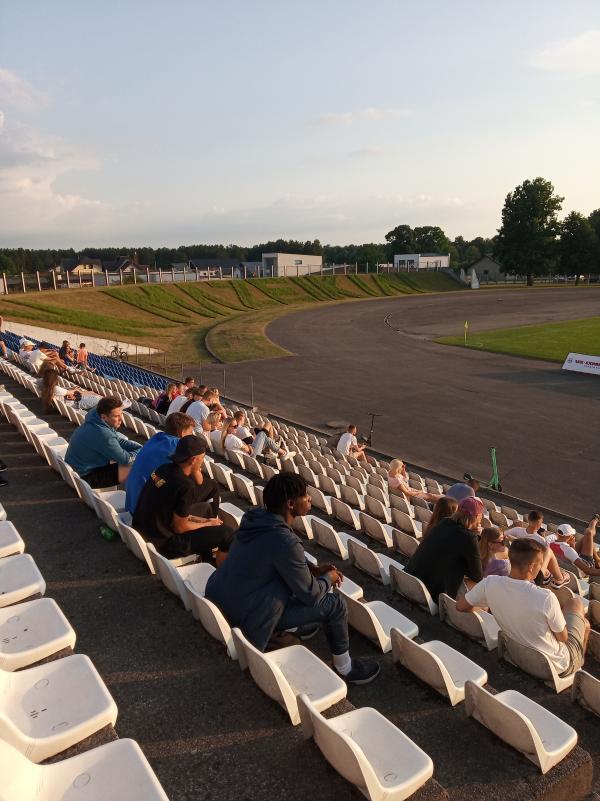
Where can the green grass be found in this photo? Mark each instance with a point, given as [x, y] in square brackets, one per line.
[551, 342]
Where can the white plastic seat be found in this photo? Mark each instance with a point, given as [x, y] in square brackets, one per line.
[376, 619]
[20, 578]
[32, 631]
[302, 525]
[399, 502]
[376, 565]
[49, 708]
[329, 486]
[135, 543]
[539, 735]
[532, 661]
[406, 523]
[286, 673]
[244, 487]
[586, 691]
[480, 626]
[378, 531]
[252, 465]
[412, 588]
[173, 577]
[350, 589]
[224, 475]
[329, 538]
[345, 513]
[437, 664]
[3, 514]
[236, 458]
[116, 771]
[368, 751]
[11, 542]
[319, 500]
[231, 515]
[350, 496]
[211, 618]
[404, 543]
[376, 508]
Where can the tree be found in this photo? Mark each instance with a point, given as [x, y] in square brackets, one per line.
[431, 239]
[527, 238]
[594, 220]
[472, 254]
[7, 265]
[579, 251]
[401, 239]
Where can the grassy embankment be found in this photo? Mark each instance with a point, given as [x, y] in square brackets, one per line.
[551, 342]
[231, 316]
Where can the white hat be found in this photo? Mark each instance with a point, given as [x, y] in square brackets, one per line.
[24, 341]
[566, 530]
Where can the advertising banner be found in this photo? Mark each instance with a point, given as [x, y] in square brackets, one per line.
[580, 363]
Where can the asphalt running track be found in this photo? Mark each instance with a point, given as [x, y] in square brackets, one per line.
[442, 407]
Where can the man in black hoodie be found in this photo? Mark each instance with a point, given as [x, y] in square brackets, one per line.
[266, 586]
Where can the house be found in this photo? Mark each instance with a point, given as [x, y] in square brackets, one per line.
[487, 269]
[80, 265]
[279, 265]
[422, 261]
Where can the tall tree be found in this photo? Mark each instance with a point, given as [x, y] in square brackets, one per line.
[431, 239]
[527, 238]
[594, 220]
[401, 239]
[579, 252]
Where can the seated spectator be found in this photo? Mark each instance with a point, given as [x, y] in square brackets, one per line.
[444, 507]
[179, 401]
[532, 615]
[190, 382]
[264, 443]
[215, 422]
[51, 389]
[398, 483]
[2, 340]
[83, 357]
[242, 431]
[348, 445]
[265, 586]
[67, 354]
[551, 572]
[163, 401]
[564, 546]
[36, 357]
[96, 451]
[154, 452]
[229, 439]
[199, 407]
[163, 513]
[460, 491]
[449, 555]
[494, 553]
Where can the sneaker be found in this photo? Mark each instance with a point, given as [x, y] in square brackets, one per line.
[558, 584]
[308, 632]
[288, 455]
[3, 465]
[546, 579]
[363, 671]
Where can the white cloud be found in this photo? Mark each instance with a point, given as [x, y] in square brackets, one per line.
[18, 93]
[370, 114]
[579, 55]
[368, 152]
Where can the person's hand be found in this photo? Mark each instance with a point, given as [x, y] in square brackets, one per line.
[335, 577]
[321, 568]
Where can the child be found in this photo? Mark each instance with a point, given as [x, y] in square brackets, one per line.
[82, 357]
[494, 553]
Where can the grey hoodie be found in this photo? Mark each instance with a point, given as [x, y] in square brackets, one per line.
[265, 567]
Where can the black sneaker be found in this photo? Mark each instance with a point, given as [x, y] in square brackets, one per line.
[3, 465]
[363, 671]
[3, 482]
[308, 632]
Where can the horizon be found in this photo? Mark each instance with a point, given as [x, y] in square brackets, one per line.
[243, 124]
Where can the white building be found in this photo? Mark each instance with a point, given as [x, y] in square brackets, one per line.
[280, 265]
[422, 261]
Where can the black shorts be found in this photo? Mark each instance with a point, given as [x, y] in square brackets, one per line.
[105, 476]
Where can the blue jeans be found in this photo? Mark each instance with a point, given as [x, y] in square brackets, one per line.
[263, 442]
[331, 611]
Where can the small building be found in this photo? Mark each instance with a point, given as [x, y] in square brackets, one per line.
[488, 269]
[422, 261]
[280, 265]
[80, 264]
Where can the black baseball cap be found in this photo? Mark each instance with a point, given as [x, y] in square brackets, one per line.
[187, 448]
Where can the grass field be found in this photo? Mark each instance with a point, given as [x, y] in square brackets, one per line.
[551, 342]
[180, 319]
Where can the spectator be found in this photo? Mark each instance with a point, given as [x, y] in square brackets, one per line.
[444, 507]
[265, 585]
[155, 452]
[230, 441]
[163, 401]
[189, 382]
[450, 553]
[460, 491]
[179, 401]
[564, 546]
[348, 445]
[215, 423]
[96, 451]
[51, 389]
[2, 340]
[242, 431]
[264, 443]
[66, 353]
[551, 572]
[163, 513]
[531, 615]
[398, 483]
[494, 554]
[83, 357]
[199, 407]
[36, 357]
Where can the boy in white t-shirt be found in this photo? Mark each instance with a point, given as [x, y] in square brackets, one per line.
[532, 615]
[551, 571]
[564, 546]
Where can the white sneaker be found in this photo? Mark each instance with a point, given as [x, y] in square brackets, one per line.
[288, 455]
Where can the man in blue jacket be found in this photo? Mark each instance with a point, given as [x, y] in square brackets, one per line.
[97, 451]
[265, 585]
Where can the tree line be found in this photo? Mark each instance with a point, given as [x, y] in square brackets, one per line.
[530, 241]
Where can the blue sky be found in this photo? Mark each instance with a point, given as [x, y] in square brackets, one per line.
[181, 122]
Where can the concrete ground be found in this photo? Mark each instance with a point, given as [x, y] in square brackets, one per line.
[441, 407]
[207, 730]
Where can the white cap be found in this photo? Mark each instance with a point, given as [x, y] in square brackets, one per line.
[566, 530]
[25, 341]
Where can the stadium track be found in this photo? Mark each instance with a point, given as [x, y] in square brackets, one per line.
[442, 407]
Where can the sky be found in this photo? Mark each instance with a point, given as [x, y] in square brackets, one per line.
[146, 122]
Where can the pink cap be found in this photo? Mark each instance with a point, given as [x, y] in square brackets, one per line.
[472, 506]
